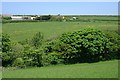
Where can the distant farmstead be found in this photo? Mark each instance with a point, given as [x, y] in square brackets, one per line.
[22, 18]
[17, 17]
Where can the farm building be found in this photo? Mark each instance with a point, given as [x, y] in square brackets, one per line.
[22, 18]
[32, 18]
[17, 17]
[73, 18]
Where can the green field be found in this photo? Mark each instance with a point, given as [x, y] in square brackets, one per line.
[21, 31]
[107, 69]
[25, 30]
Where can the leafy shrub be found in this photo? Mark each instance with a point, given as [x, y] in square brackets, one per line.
[114, 37]
[17, 49]
[6, 54]
[6, 59]
[50, 46]
[51, 58]
[37, 40]
[32, 57]
[65, 51]
[87, 45]
[6, 43]
[19, 62]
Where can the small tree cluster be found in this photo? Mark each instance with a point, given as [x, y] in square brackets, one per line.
[87, 45]
[37, 40]
[44, 17]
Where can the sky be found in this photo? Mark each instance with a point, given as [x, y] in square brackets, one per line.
[60, 0]
[63, 8]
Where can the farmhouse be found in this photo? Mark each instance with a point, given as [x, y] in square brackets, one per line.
[17, 17]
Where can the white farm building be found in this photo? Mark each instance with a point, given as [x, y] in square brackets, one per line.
[17, 17]
[22, 18]
[32, 18]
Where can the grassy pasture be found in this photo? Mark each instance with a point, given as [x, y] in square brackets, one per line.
[25, 30]
[93, 17]
[107, 69]
[21, 31]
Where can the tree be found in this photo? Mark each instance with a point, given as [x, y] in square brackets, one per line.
[6, 18]
[86, 45]
[37, 40]
[46, 17]
[6, 42]
[6, 50]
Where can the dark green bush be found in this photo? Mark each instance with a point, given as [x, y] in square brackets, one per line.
[44, 17]
[51, 58]
[114, 37]
[6, 18]
[6, 54]
[16, 51]
[51, 45]
[6, 43]
[32, 56]
[18, 62]
[88, 45]
[7, 58]
[65, 51]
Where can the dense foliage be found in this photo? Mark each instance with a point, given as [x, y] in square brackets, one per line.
[6, 18]
[89, 45]
[86, 45]
[37, 40]
[5, 43]
[6, 50]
